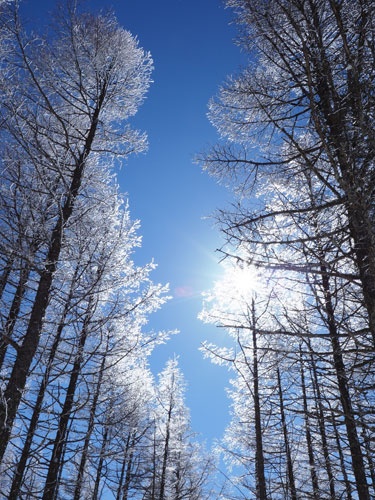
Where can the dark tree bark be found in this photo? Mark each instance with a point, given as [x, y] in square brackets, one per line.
[366, 439]
[65, 416]
[259, 456]
[125, 491]
[25, 355]
[5, 274]
[13, 312]
[123, 467]
[100, 465]
[322, 425]
[165, 454]
[154, 470]
[90, 428]
[310, 449]
[290, 471]
[342, 380]
[347, 483]
[21, 465]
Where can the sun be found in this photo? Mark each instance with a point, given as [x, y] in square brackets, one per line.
[241, 279]
[237, 286]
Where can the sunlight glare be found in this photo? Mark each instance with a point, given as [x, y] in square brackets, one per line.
[236, 288]
[241, 280]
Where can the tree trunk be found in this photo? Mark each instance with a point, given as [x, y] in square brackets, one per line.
[55, 460]
[322, 425]
[261, 491]
[21, 465]
[348, 485]
[314, 479]
[100, 465]
[291, 481]
[165, 456]
[342, 380]
[154, 463]
[13, 392]
[330, 118]
[122, 490]
[128, 470]
[366, 438]
[13, 312]
[90, 428]
[122, 474]
[5, 275]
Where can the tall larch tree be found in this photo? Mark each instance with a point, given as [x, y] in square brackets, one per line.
[297, 132]
[67, 104]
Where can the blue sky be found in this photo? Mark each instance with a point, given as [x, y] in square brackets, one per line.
[191, 42]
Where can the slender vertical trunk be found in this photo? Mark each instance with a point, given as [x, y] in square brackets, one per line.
[291, 481]
[61, 468]
[5, 275]
[100, 465]
[129, 470]
[154, 463]
[261, 491]
[177, 488]
[25, 355]
[322, 425]
[348, 485]
[14, 312]
[342, 380]
[122, 474]
[21, 465]
[314, 479]
[55, 460]
[165, 456]
[366, 438]
[121, 487]
[361, 228]
[90, 428]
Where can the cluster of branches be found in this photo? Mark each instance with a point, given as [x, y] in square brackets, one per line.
[298, 132]
[80, 415]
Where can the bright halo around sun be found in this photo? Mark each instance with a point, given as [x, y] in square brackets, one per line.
[240, 279]
[244, 280]
[237, 287]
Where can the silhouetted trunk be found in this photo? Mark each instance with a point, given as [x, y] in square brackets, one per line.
[121, 487]
[322, 425]
[361, 228]
[129, 470]
[366, 438]
[90, 428]
[25, 355]
[290, 472]
[330, 118]
[14, 312]
[351, 429]
[154, 463]
[165, 455]
[259, 456]
[100, 465]
[347, 483]
[310, 450]
[55, 460]
[21, 465]
[61, 468]
[123, 467]
[5, 274]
